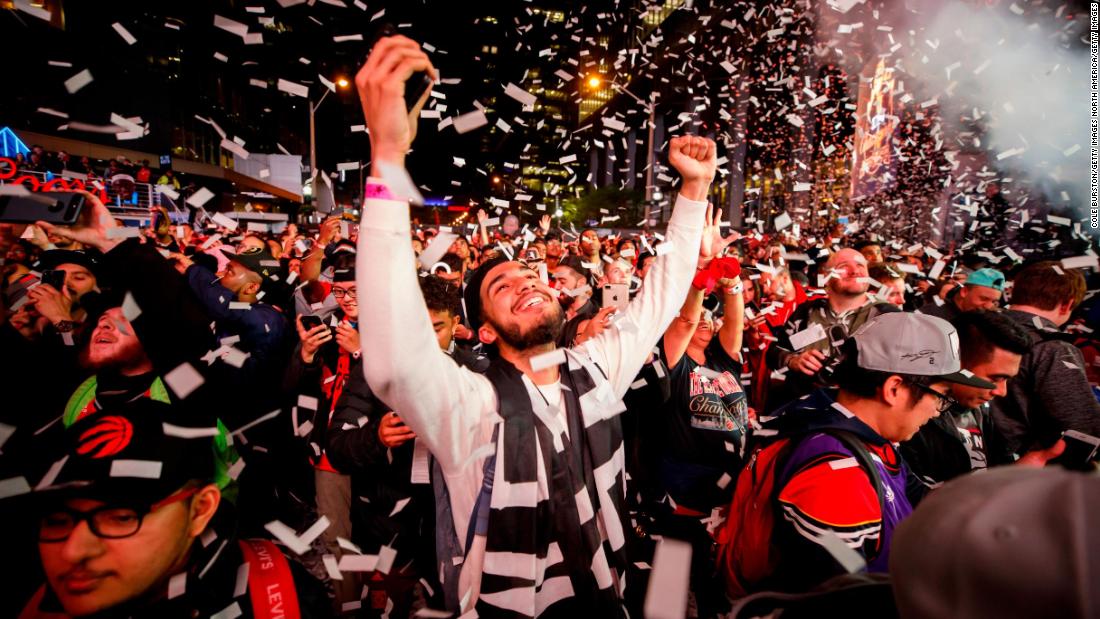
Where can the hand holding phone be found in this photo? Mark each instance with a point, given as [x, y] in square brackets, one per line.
[1081, 452]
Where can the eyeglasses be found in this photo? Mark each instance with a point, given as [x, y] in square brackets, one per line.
[945, 402]
[108, 522]
[340, 293]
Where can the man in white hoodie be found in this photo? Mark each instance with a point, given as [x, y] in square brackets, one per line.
[531, 452]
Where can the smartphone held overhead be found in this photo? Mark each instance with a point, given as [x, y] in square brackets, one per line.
[55, 207]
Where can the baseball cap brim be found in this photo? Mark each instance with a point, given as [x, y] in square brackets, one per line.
[968, 378]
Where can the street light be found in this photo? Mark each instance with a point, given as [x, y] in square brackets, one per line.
[341, 82]
[595, 81]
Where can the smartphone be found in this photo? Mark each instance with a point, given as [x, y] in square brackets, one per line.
[418, 82]
[616, 295]
[1081, 451]
[310, 322]
[55, 207]
[54, 278]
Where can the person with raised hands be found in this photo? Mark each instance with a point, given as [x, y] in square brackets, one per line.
[531, 452]
[703, 427]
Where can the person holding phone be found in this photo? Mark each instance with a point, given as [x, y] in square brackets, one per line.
[326, 356]
[68, 278]
[389, 468]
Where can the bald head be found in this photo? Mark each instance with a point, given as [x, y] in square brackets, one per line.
[847, 271]
[845, 255]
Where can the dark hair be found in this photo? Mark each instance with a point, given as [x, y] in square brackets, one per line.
[440, 295]
[980, 332]
[860, 245]
[884, 271]
[576, 264]
[850, 377]
[452, 261]
[624, 241]
[1041, 286]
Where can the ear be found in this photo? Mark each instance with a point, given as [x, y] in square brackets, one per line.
[251, 288]
[455, 322]
[203, 506]
[894, 391]
[487, 334]
[1067, 307]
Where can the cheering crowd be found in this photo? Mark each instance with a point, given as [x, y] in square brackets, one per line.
[388, 419]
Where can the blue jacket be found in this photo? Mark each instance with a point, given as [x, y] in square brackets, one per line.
[262, 328]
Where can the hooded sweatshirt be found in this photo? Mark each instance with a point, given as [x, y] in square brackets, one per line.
[823, 491]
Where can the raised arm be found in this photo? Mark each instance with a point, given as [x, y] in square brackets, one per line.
[708, 274]
[448, 407]
[623, 350]
[731, 335]
[678, 334]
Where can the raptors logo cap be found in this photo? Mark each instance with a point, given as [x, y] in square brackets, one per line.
[137, 453]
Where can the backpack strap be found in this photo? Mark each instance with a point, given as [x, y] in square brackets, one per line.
[863, 457]
[270, 581]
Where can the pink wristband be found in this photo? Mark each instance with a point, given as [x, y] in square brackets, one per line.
[377, 190]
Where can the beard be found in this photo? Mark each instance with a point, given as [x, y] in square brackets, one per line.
[848, 288]
[121, 355]
[547, 331]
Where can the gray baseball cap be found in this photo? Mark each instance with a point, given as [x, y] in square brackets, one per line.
[913, 344]
[1010, 543]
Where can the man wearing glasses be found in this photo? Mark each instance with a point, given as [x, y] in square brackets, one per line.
[327, 355]
[117, 516]
[895, 376]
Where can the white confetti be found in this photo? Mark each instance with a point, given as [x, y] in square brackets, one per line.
[78, 81]
[667, 594]
[145, 469]
[548, 359]
[470, 121]
[183, 380]
[124, 33]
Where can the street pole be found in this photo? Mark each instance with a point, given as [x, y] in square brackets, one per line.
[313, 141]
[313, 149]
[649, 152]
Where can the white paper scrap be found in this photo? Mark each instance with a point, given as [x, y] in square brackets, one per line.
[124, 33]
[814, 333]
[145, 469]
[667, 594]
[548, 359]
[470, 121]
[200, 197]
[183, 380]
[78, 81]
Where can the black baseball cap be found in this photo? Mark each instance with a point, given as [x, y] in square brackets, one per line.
[53, 258]
[256, 259]
[138, 453]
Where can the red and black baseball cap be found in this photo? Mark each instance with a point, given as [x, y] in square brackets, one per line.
[137, 453]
